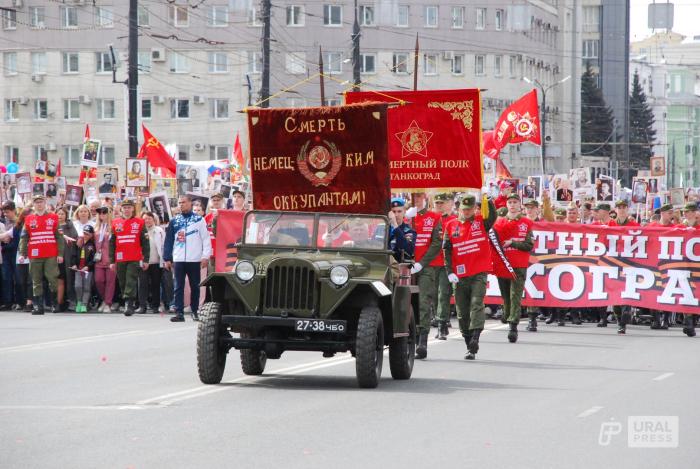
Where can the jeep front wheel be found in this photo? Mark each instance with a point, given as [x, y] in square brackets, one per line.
[252, 361]
[211, 355]
[402, 352]
[369, 347]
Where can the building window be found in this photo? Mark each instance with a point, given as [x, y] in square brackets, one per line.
[11, 154]
[479, 64]
[218, 62]
[72, 155]
[368, 63]
[295, 15]
[178, 63]
[296, 102]
[183, 152]
[144, 61]
[104, 17]
[9, 62]
[295, 62]
[333, 62]
[591, 19]
[219, 152]
[71, 109]
[458, 64]
[402, 16]
[218, 108]
[480, 18]
[332, 15]
[457, 17]
[590, 49]
[218, 16]
[366, 15]
[38, 63]
[430, 62]
[179, 16]
[41, 109]
[331, 102]
[146, 108]
[106, 156]
[11, 110]
[71, 62]
[179, 108]
[39, 151]
[143, 16]
[9, 19]
[498, 65]
[500, 16]
[431, 16]
[69, 17]
[37, 17]
[399, 62]
[254, 16]
[512, 66]
[254, 62]
[105, 109]
[103, 62]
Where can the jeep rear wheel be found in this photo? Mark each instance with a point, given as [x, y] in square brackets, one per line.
[402, 352]
[252, 361]
[369, 347]
[211, 355]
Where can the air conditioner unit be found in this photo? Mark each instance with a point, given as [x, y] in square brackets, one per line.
[448, 55]
[159, 99]
[78, 2]
[51, 146]
[17, 3]
[158, 54]
[23, 100]
[200, 146]
[198, 99]
[84, 99]
[37, 78]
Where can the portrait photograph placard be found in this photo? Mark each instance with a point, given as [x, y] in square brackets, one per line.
[91, 148]
[136, 172]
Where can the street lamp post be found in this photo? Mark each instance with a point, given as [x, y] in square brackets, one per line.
[543, 120]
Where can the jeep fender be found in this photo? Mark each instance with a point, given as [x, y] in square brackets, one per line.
[405, 296]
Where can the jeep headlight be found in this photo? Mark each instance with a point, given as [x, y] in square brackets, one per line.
[245, 270]
[339, 275]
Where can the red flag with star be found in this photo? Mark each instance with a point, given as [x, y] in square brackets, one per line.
[434, 138]
[154, 152]
[519, 122]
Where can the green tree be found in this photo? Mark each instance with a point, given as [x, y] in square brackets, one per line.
[597, 120]
[642, 133]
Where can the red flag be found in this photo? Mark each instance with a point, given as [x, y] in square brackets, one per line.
[87, 133]
[238, 154]
[155, 153]
[520, 122]
[490, 149]
[85, 172]
[58, 168]
[502, 171]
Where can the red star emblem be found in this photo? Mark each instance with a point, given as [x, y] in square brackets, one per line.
[414, 140]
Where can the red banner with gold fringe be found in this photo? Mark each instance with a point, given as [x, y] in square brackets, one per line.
[434, 137]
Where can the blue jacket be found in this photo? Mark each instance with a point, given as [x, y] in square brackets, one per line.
[187, 239]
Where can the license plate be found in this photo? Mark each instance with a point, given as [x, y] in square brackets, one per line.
[320, 325]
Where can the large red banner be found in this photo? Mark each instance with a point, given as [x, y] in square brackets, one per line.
[434, 137]
[598, 266]
[331, 159]
[229, 229]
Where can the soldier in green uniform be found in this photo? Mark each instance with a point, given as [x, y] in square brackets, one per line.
[444, 203]
[623, 313]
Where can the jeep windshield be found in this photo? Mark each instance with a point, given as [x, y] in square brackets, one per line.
[308, 230]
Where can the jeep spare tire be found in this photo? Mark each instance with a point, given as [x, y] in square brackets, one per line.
[211, 355]
[369, 347]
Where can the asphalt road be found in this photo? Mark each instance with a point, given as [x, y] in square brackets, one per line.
[106, 391]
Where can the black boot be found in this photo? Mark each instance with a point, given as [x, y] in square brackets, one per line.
[532, 323]
[603, 319]
[576, 317]
[689, 328]
[422, 349]
[442, 331]
[129, 311]
[561, 318]
[622, 323]
[513, 333]
[55, 307]
[38, 305]
[473, 345]
[656, 323]
[552, 317]
[665, 320]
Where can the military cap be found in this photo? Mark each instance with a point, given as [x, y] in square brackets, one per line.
[532, 202]
[560, 212]
[621, 203]
[603, 206]
[38, 197]
[126, 202]
[468, 201]
[572, 206]
[217, 195]
[88, 229]
[691, 206]
[443, 197]
[665, 208]
[513, 196]
[502, 212]
[397, 202]
[588, 206]
[237, 191]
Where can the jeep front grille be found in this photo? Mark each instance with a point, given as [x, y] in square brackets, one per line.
[290, 288]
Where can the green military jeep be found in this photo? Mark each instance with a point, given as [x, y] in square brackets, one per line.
[310, 281]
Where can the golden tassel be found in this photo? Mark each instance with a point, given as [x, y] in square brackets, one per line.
[484, 206]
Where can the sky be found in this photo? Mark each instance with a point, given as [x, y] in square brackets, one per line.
[686, 16]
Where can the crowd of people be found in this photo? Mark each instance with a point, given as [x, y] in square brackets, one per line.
[107, 256]
[451, 246]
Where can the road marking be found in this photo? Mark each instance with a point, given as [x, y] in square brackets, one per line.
[663, 376]
[88, 339]
[79, 407]
[589, 412]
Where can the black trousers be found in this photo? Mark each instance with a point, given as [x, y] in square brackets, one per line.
[149, 286]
